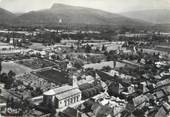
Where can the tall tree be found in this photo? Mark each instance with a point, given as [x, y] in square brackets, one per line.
[11, 74]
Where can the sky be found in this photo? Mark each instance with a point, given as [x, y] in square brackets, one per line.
[115, 6]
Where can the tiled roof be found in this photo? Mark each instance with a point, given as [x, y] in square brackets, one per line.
[161, 113]
[61, 92]
[139, 100]
[70, 112]
[67, 94]
[160, 94]
[63, 89]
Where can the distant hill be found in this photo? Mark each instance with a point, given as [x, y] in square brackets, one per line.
[68, 15]
[7, 17]
[65, 14]
[162, 27]
[157, 16]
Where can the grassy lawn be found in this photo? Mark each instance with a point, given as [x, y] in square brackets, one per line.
[17, 68]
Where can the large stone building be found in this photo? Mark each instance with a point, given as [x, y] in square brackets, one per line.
[63, 96]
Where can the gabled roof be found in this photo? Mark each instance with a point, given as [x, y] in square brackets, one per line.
[162, 82]
[67, 94]
[70, 112]
[160, 94]
[106, 77]
[161, 113]
[150, 96]
[166, 106]
[139, 100]
[58, 90]
[100, 110]
[63, 92]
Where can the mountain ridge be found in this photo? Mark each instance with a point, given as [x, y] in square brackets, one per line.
[67, 14]
[156, 16]
[76, 15]
[7, 17]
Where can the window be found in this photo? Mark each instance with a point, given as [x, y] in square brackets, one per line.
[65, 102]
[68, 101]
[75, 99]
[71, 100]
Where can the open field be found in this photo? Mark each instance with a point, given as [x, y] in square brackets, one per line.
[151, 51]
[3, 44]
[114, 46]
[37, 46]
[102, 64]
[17, 68]
[53, 76]
[163, 48]
[36, 63]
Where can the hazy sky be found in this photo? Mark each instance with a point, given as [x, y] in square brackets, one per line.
[107, 5]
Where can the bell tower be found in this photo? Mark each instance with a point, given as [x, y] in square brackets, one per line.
[74, 82]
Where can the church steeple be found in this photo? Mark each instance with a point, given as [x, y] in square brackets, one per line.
[74, 81]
